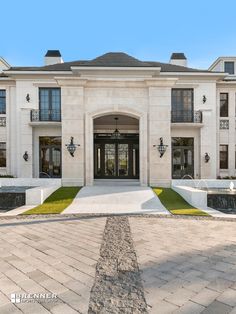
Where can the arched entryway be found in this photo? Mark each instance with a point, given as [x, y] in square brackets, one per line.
[116, 147]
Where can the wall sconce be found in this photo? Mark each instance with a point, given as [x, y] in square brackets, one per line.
[27, 98]
[207, 157]
[161, 147]
[71, 147]
[26, 156]
[204, 99]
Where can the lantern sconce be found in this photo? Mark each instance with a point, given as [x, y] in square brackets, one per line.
[71, 147]
[204, 99]
[207, 157]
[161, 147]
[27, 98]
[26, 156]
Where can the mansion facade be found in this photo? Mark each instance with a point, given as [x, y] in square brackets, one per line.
[116, 117]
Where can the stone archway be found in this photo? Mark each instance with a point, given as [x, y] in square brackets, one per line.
[89, 141]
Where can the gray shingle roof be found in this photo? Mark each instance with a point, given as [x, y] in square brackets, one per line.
[111, 59]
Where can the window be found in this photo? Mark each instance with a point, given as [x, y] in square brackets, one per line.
[50, 104]
[229, 67]
[224, 104]
[223, 156]
[182, 105]
[2, 154]
[2, 101]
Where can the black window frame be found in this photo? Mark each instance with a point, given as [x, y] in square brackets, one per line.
[179, 113]
[3, 155]
[50, 113]
[224, 162]
[224, 112]
[231, 71]
[3, 98]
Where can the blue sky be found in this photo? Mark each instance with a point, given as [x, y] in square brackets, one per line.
[147, 29]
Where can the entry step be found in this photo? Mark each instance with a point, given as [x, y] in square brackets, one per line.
[117, 182]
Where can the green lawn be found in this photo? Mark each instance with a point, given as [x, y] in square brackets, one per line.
[56, 202]
[176, 204]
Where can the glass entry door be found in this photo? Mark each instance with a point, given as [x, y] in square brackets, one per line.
[118, 159]
[182, 157]
[50, 157]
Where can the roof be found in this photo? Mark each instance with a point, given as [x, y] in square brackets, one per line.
[53, 53]
[178, 56]
[111, 59]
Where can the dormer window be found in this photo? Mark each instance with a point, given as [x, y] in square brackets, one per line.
[229, 67]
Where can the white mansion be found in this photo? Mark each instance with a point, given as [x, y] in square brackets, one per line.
[116, 117]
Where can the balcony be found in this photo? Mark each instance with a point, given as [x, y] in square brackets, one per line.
[2, 121]
[45, 115]
[186, 116]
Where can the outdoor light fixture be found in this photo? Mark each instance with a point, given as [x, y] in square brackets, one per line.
[207, 157]
[26, 156]
[204, 99]
[27, 98]
[116, 134]
[71, 147]
[161, 147]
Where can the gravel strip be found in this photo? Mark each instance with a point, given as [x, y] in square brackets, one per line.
[117, 287]
[78, 216]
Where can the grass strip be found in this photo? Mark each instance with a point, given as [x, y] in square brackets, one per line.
[56, 202]
[175, 203]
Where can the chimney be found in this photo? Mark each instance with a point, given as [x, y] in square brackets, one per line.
[178, 58]
[52, 57]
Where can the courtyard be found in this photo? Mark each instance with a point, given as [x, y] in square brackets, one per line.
[118, 264]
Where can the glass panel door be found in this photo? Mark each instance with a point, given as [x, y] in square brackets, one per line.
[182, 157]
[176, 163]
[123, 160]
[110, 160]
[50, 157]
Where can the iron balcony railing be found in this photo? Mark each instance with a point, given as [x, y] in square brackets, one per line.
[2, 121]
[52, 115]
[186, 116]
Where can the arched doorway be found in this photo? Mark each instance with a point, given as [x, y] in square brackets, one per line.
[116, 147]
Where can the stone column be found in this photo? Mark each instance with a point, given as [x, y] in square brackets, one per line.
[160, 126]
[72, 112]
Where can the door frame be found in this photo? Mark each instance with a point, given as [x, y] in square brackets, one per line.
[181, 147]
[130, 142]
[50, 155]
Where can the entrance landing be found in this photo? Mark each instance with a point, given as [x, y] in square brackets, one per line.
[116, 200]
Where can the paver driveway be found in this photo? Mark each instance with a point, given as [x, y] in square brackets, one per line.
[185, 265]
[54, 256]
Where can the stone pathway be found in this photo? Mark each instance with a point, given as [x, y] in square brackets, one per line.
[119, 264]
[116, 199]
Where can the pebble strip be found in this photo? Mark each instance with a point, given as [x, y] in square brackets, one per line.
[117, 287]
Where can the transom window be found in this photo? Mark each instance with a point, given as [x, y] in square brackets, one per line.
[224, 104]
[50, 104]
[229, 67]
[2, 154]
[223, 156]
[2, 101]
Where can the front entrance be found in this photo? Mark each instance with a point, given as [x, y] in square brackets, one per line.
[116, 158]
[182, 157]
[50, 157]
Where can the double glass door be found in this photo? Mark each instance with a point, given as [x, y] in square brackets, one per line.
[182, 157]
[117, 159]
[50, 157]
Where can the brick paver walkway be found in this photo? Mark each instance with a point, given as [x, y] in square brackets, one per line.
[187, 266]
[58, 257]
